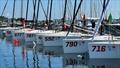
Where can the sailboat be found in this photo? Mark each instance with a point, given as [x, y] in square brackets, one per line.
[97, 47]
[107, 49]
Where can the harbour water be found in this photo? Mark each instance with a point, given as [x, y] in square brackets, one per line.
[24, 57]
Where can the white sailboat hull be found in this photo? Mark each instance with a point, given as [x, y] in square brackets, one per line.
[104, 50]
[75, 46]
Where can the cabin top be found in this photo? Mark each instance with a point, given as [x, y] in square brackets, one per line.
[38, 31]
[46, 32]
[10, 28]
[114, 24]
[98, 38]
[64, 33]
[105, 37]
[106, 43]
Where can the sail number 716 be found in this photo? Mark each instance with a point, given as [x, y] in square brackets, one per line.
[99, 48]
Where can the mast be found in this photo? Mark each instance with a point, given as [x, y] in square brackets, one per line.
[27, 9]
[34, 8]
[74, 7]
[21, 9]
[22, 19]
[91, 1]
[48, 7]
[63, 20]
[49, 27]
[13, 13]
[47, 11]
[37, 12]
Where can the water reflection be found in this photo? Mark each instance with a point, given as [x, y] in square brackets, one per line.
[27, 57]
[14, 61]
[27, 64]
[35, 59]
[104, 63]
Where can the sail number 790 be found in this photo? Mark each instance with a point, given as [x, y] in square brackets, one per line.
[71, 43]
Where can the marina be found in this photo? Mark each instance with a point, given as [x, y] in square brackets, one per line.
[41, 35]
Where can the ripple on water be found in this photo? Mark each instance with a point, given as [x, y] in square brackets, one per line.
[22, 57]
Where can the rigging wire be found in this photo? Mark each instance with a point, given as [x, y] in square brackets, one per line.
[74, 17]
[4, 8]
[34, 8]
[91, 8]
[95, 12]
[43, 10]
[74, 10]
[71, 7]
[59, 5]
[69, 10]
[101, 18]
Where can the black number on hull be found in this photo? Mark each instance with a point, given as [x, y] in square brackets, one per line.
[71, 44]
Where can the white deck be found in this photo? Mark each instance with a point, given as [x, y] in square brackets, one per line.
[31, 35]
[8, 30]
[56, 39]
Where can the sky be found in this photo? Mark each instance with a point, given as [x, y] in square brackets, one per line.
[58, 6]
